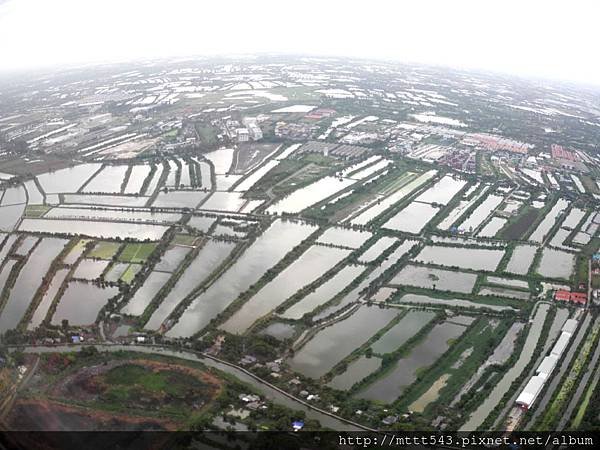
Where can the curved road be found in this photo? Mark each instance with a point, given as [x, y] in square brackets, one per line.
[269, 390]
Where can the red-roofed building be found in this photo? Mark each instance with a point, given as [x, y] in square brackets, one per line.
[579, 298]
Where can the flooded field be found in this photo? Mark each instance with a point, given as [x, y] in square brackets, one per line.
[5, 272]
[508, 282]
[443, 191]
[90, 269]
[67, 180]
[26, 245]
[462, 207]
[247, 183]
[95, 229]
[390, 386]
[430, 395]
[263, 254]
[344, 237]
[179, 199]
[154, 182]
[205, 175]
[211, 256]
[481, 212]
[521, 259]
[81, 303]
[556, 264]
[356, 371]
[105, 200]
[490, 402]
[171, 259]
[116, 271]
[416, 299]
[40, 313]
[313, 263]
[221, 159]
[540, 233]
[28, 281]
[405, 329]
[374, 211]
[573, 219]
[10, 216]
[108, 180]
[144, 295]
[136, 180]
[333, 343]
[8, 243]
[201, 223]
[324, 292]
[354, 294]
[34, 196]
[224, 201]
[413, 218]
[492, 227]
[465, 258]
[504, 292]
[430, 278]
[111, 214]
[375, 250]
[14, 196]
[309, 195]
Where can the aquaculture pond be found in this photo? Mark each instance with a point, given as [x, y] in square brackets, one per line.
[330, 345]
[313, 263]
[40, 312]
[556, 264]
[67, 180]
[210, 257]
[413, 218]
[121, 230]
[391, 385]
[324, 292]
[406, 328]
[81, 303]
[144, 295]
[28, 281]
[463, 257]
[268, 249]
[356, 371]
[521, 259]
[430, 278]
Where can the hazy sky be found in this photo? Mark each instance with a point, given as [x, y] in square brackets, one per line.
[556, 39]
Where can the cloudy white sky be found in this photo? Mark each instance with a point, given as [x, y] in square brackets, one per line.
[548, 38]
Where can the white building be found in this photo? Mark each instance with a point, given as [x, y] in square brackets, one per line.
[530, 393]
[242, 135]
[255, 132]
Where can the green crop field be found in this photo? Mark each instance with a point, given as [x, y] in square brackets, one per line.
[137, 253]
[105, 250]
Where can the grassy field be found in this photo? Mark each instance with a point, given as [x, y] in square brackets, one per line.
[564, 394]
[36, 211]
[207, 133]
[137, 253]
[184, 239]
[589, 184]
[584, 404]
[130, 273]
[518, 225]
[105, 250]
